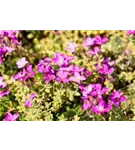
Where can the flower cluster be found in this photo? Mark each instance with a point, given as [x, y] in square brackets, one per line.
[105, 67]
[94, 44]
[65, 71]
[25, 74]
[8, 42]
[95, 96]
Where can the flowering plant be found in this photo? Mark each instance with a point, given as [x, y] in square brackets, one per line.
[79, 82]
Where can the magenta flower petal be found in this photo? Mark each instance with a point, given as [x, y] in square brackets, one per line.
[28, 103]
[32, 95]
[15, 116]
[86, 105]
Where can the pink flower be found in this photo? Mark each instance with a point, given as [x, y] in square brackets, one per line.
[86, 105]
[77, 78]
[28, 101]
[117, 97]
[62, 59]
[95, 51]
[71, 47]
[21, 62]
[10, 117]
[88, 42]
[25, 74]
[102, 107]
[62, 76]
[99, 41]
[4, 93]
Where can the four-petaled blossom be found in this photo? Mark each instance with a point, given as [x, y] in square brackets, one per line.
[58, 59]
[88, 42]
[62, 59]
[71, 47]
[102, 107]
[117, 97]
[99, 41]
[11, 117]
[25, 74]
[21, 62]
[104, 69]
[62, 76]
[77, 78]
[98, 90]
[29, 73]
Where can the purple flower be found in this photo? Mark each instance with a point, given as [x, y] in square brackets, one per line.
[44, 66]
[102, 107]
[20, 75]
[88, 42]
[28, 103]
[62, 59]
[117, 97]
[94, 90]
[49, 77]
[3, 50]
[62, 76]
[87, 73]
[71, 47]
[105, 69]
[25, 74]
[108, 62]
[29, 73]
[86, 90]
[21, 62]
[72, 69]
[10, 117]
[95, 51]
[99, 41]
[58, 59]
[98, 90]
[86, 105]
[77, 78]
[32, 95]
[2, 83]
[4, 93]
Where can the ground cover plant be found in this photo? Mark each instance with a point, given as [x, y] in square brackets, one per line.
[67, 75]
